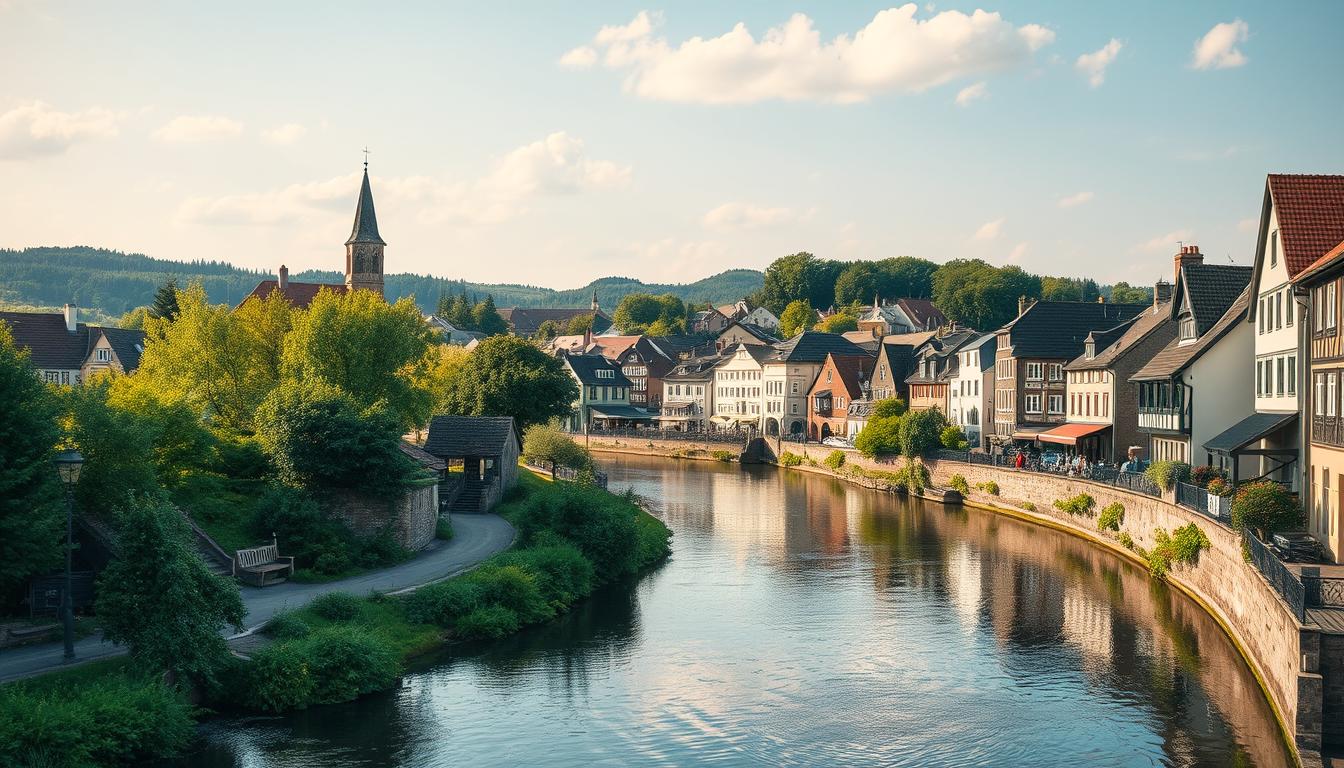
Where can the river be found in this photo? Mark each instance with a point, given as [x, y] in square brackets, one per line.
[803, 621]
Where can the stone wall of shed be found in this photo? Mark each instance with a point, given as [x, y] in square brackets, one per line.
[411, 518]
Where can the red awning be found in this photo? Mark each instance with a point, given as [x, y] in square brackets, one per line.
[1069, 434]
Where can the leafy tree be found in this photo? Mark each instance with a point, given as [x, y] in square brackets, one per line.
[1061, 289]
[442, 363]
[798, 276]
[165, 301]
[367, 348]
[980, 295]
[548, 330]
[881, 436]
[1264, 507]
[135, 319]
[840, 322]
[921, 432]
[319, 438]
[487, 319]
[953, 438]
[662, 327]
[796, 318]
[506, 376]
[1123, 293]
[903, 276]
[638, 311]
[117, 446]
[578, 324]
[888, 407]
[546, 444]
[30, 510]
[159, 598]
[858, 282]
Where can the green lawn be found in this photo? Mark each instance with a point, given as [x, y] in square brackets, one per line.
[387, 618]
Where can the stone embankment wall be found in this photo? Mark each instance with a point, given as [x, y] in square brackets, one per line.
[411, 519]
[1286, 657]
[678, 449]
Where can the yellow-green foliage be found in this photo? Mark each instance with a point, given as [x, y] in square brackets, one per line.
[959, 484]
[914, 476]
[1126, 540]
[1027, 505]
[1082, 504]
[787, 459]
[724, 456]
[1182, 545]
[989, 486]
[1112, 515]
[835, 459]
[1167, 473]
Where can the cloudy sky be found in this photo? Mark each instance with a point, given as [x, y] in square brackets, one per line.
[552, 143]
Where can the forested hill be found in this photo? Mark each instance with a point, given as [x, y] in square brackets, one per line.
[113, 282]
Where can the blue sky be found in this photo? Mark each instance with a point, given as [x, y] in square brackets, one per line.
[518, 142]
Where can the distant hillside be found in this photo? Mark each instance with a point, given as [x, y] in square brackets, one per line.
[115, 283]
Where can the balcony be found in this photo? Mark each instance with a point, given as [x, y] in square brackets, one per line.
[1163, 420]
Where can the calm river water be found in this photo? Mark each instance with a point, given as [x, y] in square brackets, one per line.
[802, 621]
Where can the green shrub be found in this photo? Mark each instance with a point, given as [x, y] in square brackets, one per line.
[959, 484]
[724, 456]
[787, 459]
[286, 626]
[920, 432]
[1027, 505]
[278, 678]
[1219, 487]
[1166, 474]
[336, 606]
[989, 486]
[562, 573]
[1181, 546]
[115, 720]
[835, 459]
[443, 528]
[333, 664]
[443, 603]
[654, 541]
[1202, 476]
[1082, 504]
[913, 476]
[1126, 540]
[1112, 515]
[881, 436]
[514, 588]
[489, 623]
[1263, 508]
[890, 407]
[953, 438]
[602, 525]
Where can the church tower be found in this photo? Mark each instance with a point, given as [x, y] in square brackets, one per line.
[364, 249]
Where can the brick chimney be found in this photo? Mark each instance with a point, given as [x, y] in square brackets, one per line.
[71, 313]
[1189, 254]
[284, 278]
[1161, 293]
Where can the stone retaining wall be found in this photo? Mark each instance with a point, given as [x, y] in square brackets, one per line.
[411, 519]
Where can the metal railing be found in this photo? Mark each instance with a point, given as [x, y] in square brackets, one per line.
[1322, 592]
[1196, 499]
[1284, 581]
[737, 438]
[1133, 481]
[567, 473]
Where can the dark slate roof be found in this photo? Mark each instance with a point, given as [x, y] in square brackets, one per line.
[1113, 343]
[1059, 328]
[814, 346]
[50, 345]
[1211, 289]
[128, 343]
[1176, 356]
[299, 294]
[1247, 431]
[422, 457]
[672, 346]
[526, 320]
[365, 229]
[695, 369]
[457, 436]
[585, 367]
[755, 330]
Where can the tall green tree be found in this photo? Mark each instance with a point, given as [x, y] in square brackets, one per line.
[548, 330]
[507, 376]
[1061, 289]
[980, 295]
[487, 318]
[30, 501]
[165, 301]
[159, 599]
[840, 322]
[859, 282]
[799, 276]
[579, 324]
[797, 317]
[1124, 293]
[118, 449]
[460, 313]
[638, 311]
[369, 349]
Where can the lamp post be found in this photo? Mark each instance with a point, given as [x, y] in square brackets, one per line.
[68, 465]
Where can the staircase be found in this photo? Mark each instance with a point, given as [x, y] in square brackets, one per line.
[213, 555]
[468, 499]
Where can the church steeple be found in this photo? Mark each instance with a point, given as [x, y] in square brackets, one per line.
[364, 249]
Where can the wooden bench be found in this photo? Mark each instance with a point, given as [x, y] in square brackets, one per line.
[263, 565]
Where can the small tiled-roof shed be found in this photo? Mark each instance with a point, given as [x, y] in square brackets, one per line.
[488, 448]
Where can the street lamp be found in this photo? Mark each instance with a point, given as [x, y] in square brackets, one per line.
[68, 465]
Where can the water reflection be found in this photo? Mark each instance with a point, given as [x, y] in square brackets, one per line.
[805, 622]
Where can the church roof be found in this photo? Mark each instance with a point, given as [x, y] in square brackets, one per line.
[366, 220]
[299, 294]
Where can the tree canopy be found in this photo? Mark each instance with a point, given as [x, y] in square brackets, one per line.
[980, 295]
[165, 300]
[638, 312]
[840, 322]
[796, 318]
[506, 376]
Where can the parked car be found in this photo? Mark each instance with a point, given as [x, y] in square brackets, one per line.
[837, 442]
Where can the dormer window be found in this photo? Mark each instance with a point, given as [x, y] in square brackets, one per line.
[1090, 349]
[1188, 330]
[104, 355]
[606, 373]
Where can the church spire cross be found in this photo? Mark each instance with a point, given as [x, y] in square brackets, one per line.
[366, 158]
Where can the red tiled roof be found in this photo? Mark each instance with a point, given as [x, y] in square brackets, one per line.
[299, 294]
[852, 369]
[923, 312]
[1311, 216]
[1333, 256]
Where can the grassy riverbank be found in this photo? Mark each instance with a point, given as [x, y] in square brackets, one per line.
[571, 539]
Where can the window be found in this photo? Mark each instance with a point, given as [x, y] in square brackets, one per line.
[795, 387]
[1259, 378]
[1035, 371]
[1278, 310]
[1278, 376]
[1260, 319]
[1274, 248]
[1056, 371]
[1320, 394]
[1106, 404]
[606, 373]
[1188, 332]
[52, 377]
[104, 355]
[1330, 307]
[1288, 302]
[1033, 403]
[1331, 389]
[1292, 374]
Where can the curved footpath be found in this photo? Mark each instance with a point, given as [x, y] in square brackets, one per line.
[475, 538]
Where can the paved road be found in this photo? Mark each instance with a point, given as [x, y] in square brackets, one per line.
[475, 537]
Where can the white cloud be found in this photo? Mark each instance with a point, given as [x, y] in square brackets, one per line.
[671, 259]
[746, 216]
[193, 128]
[989, 230]
[894, 52]
[285, 134]
[1070, 201]
[1015, 256]
[1218, 48]
[1249, 225]
[1168, 242]
[582, 57]
[556, 164]
[35, 129]
[1094, 64]
[972, 93]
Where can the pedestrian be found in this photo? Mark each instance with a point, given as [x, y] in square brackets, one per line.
[1019, 460]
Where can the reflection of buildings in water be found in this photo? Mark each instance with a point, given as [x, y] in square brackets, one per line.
[1087, 625]
[964, 583]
